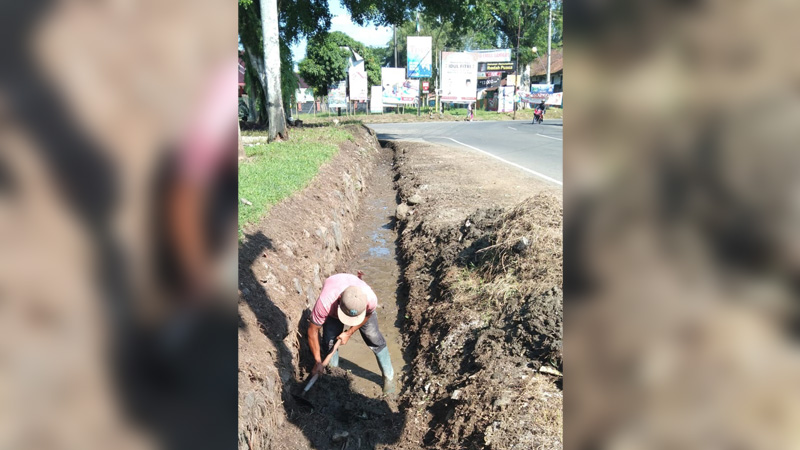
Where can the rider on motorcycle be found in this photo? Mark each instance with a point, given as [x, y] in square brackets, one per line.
[537, 108]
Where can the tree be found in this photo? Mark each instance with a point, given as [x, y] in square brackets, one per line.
[324, 65]
[272, 70]
[326, 58]
[297, 18]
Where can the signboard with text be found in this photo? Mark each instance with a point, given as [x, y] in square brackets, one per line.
[337, 95]
[419, 57]
[493, 55]
[397, 89]
[459, 76]
[358, 82]
[497, 66]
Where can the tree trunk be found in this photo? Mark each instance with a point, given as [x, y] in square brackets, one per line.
[272, 69]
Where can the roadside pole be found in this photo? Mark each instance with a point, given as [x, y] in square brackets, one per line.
[516, 68]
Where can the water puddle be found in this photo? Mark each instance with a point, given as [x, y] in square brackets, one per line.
[375, 254]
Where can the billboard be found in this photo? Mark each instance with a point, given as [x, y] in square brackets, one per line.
[493, 55]
[541, 91]
[337, 95]
[459, 76]
[396, 88]
[376, 100]
[419, 57]
[506, 103]
[358, 82]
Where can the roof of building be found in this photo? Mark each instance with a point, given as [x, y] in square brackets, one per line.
[539, 65]
[301, 83]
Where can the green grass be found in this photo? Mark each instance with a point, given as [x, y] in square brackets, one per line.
[274, 171]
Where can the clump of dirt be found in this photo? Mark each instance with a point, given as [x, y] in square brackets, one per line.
[484, 322]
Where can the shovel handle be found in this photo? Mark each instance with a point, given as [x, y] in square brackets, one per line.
[324, 363]
[311, 383]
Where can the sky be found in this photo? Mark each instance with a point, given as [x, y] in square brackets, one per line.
[370, 35]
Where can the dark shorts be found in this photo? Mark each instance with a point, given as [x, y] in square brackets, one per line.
[369, 332]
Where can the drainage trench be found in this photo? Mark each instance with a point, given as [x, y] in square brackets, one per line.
[374, 253]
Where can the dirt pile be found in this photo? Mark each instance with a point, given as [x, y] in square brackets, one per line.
[483, 319]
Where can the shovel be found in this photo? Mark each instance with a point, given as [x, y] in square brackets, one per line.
[313, 379]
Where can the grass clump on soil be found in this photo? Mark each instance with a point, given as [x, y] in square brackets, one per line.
[272, 172]
[492, 330]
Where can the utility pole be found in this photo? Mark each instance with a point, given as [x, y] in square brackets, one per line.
[516, 69]
[394, 31]
[419, 80]
[549, 37]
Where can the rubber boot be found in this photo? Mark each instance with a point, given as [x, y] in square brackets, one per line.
[385, 363]
[334, 362]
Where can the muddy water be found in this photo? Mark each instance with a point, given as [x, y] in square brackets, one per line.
[375, 255]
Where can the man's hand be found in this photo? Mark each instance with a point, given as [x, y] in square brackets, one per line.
[344, 337]
[318, 368]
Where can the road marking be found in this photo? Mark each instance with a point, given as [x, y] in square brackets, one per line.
[541, 175]
[513, 128]
[550, 137]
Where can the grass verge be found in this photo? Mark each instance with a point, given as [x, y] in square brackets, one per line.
[272, 172]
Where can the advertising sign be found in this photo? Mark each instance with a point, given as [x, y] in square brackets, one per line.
[425, 86]
[376, 100]
[556, 99]
[459, 77]
[419, 57]
[507, 99]
[494, 55]
[358, 82]
[397, 89]
[497, 66]
[541, 91]
[337, 95]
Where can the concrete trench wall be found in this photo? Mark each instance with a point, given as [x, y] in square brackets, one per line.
[283, 262]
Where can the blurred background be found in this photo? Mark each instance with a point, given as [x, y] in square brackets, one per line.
[682, 211]
[118, 224]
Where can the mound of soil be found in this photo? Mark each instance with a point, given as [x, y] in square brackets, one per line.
[484, 317]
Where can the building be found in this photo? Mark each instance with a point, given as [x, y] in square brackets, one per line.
[538, 69]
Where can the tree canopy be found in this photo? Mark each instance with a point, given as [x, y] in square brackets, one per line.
[326, 61]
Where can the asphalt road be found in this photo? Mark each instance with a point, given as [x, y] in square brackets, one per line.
[537, 149]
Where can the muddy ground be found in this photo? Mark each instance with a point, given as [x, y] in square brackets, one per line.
[470, 321]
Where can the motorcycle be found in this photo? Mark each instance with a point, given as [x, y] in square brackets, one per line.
[538, 116]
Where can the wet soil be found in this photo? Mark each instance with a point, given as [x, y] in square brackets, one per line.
[375, 254]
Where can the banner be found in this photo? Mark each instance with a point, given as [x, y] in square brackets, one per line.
[541, 91]
[376, 100]
[494, 55]
[358, 82]
[419, 57]
[556, 99]
[459, 77]
[337, 95]
[397, 89]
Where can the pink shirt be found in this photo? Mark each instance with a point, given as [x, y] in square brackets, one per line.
[328, 301]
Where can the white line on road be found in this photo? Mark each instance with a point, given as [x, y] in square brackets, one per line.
[541, 175]
[551, 137]
[513, 128]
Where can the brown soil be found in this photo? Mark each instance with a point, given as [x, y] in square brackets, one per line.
[483, 318]
[478, 318]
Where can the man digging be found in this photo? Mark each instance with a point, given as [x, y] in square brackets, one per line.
[347, 300]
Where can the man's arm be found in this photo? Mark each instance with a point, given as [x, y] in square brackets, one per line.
[313, 344]
[346, 334]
